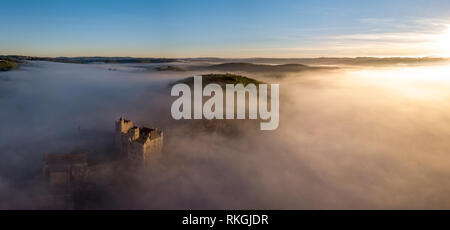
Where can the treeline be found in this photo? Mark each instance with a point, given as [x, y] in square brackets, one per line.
[85, 60]
[9, 62]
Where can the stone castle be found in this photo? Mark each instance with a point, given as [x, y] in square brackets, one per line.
[70, 174]
[135, 145]
[65, 169]
[138, 144]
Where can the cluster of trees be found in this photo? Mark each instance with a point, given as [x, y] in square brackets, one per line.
[8, 63]
[221, 79]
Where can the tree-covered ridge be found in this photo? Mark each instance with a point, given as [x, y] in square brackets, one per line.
[221, 79]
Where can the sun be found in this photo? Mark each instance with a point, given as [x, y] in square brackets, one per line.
[442, 44]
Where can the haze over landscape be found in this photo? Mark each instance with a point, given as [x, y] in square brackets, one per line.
[364, 102]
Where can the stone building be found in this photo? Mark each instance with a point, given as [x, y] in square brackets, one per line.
[65, 169]
[138, 144]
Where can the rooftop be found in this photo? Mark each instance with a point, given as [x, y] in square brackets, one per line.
[145, 133]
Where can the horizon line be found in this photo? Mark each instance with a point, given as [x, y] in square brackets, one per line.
[218, 57]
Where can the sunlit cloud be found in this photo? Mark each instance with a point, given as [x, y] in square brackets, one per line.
[442, 42]
[384, 37]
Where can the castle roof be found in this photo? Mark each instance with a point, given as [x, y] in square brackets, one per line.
[148, 133]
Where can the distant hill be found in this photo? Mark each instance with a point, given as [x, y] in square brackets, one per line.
[372, 61]
[358, 61]
[247, 64]
[221, 79]
[252, 68]
[85, 60]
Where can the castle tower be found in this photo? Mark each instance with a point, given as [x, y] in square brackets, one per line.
[123, 125]
[122, 128]
[134, 133]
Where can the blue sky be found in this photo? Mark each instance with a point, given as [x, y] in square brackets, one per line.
[224, 28]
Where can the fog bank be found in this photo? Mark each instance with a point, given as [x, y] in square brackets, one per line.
[356, 138]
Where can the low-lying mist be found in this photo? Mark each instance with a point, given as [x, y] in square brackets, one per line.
[354, 138]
